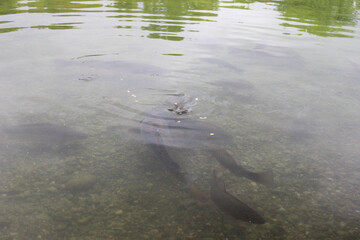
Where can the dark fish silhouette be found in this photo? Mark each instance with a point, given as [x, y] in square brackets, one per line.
[221, 63]
[163, 130]
[45, 133]
[179, 132]
[230, 205]
[268, 56]
[227, 161]
[150, 130]
[163, 155]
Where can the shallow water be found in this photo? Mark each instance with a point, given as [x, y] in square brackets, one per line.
[281, 77]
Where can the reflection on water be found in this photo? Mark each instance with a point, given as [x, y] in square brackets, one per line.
[164, 19]
[245, 88]
[322, 18]
[168, 19]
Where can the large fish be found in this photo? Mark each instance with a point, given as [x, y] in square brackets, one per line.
[163, 130]
[227, 161]
[150, 131]
[230, 205]
[163, 155]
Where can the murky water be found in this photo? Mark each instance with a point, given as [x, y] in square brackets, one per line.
[280, 77]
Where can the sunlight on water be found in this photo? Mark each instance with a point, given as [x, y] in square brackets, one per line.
[197, 119]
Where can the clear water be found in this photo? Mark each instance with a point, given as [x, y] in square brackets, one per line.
[282, 77]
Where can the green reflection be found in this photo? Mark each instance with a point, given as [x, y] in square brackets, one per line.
[176, 18]
[6, 30]
[57, 26]
[8, 6]
[237, 4]
[170, 7]
[166, 19]
[48, 6]
[163, 28]
[327, 18]
[60, 6]
[174, 54]
[165, 36]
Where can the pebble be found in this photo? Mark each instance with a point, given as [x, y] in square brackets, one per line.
[281, 209]
[80, 182]
[155, 234]
[51, 189]
[60, 227]
[84, 220]
[119, 212]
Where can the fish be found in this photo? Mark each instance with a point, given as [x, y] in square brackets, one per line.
[263, 55]
[230, 205]
[227, 161]
[221, 63]
[163, 155]
[179, 132]
[44, 133]
[158, 147]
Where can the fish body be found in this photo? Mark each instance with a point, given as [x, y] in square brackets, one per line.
[162, 129]
[228, 162]
[151, 132]
[176, 131]
[222, 63]
[45, 133]
[230, 205]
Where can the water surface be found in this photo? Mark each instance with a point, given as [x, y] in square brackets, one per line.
[281, 77]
